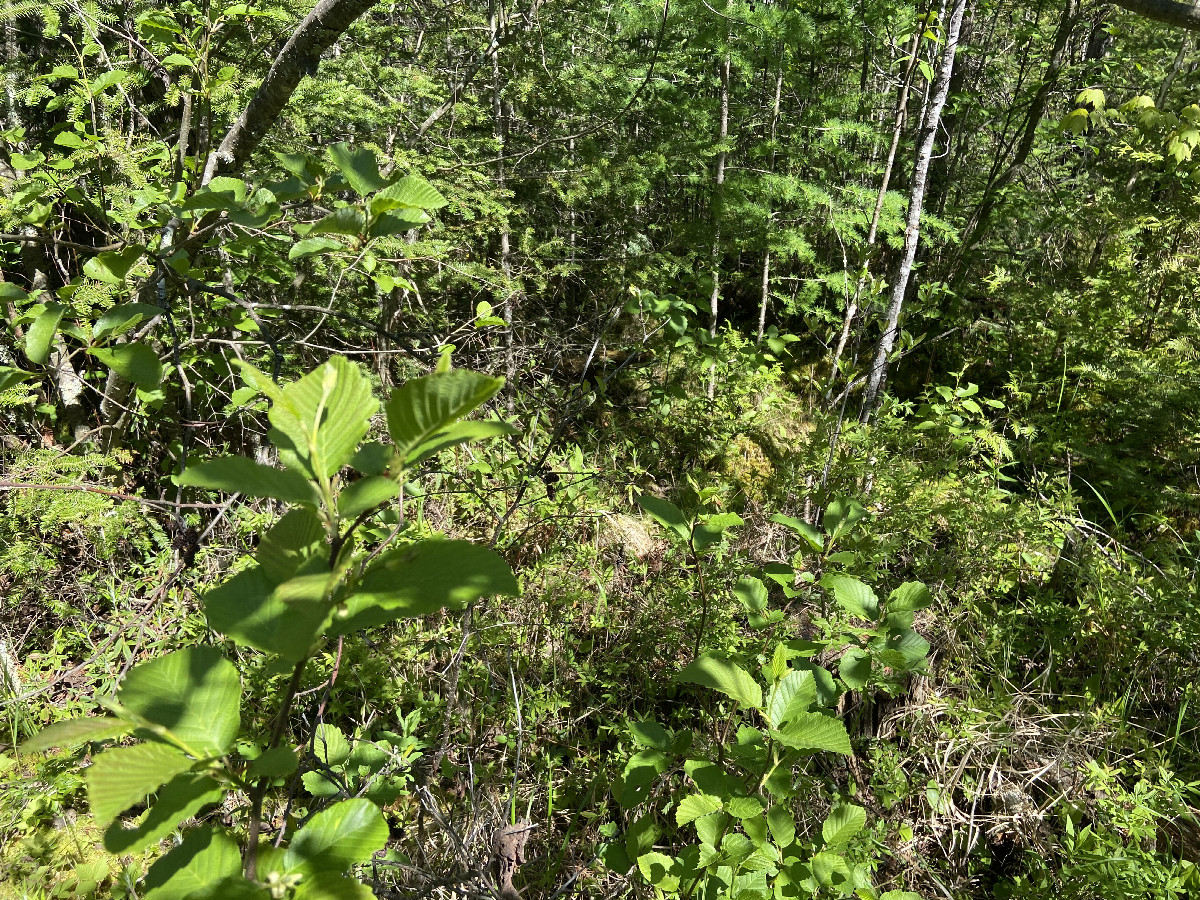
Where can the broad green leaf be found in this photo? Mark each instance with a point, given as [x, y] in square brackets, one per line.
[813, 731]
[411, 192]
[911, 596]
[371, 458]
[744, 807]
[319, 786]
[203, 857]
[830, 869]
[753, 594]
[855, 668]
[913, 647]
[112, 266]
[291, 542]
[134, 362]
[360, 167]
[273, 763]
[459, 433]
[233, 888]
[640, 773]
[842, 515]
[121, 318]
[366, 493]
[182, 797]
[240, 475]
[900, 895]
[10, 377]
[423, 578]
[347, 220]
[710, 828]
[722, 674]
[336, 838]
[387, 224]
[194, 693]
[844, 822]
[247, 609]
[792, 695]
[650, 734]
[852, 595]
[320, 419]
[328, 886]
[312, 247]
[712, 529]
[809, 533]
[666, 514]
[76, 731]
[121, 776]
[330, 745]
[694, 806]
[423, 409]
[782, 824]
[827, 689]
[660, 870]
[40, 335]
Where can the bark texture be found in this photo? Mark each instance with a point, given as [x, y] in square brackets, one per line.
[316, 34]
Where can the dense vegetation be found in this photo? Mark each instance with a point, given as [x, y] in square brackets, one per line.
[687, 450]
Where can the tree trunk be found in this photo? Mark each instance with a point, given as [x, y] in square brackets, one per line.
[500, 123]
[916, 200]
[718, 183]
[766, 269]
[885, 181]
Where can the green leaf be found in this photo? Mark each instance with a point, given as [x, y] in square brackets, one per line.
[312, 247]
[744, 807]
[327, 886]
[813, 731]
[811, 535]
[336, 838]
[900, 895]
[112, 266]
[121, 318]
[753, 594]
[194, 693]
[319, 786]
[76, 731]
[239, 475]
[10, 377]
[640, 773]
[422, 410]
[320, 419]
[830, 869]
[372, 458]
[842, 515]
[183, 797]
[121, 776]
[710, 828]
[666, 514]
[410, 192]
[273, 763]
[40, 335]
[782, 825]
[247, 609]
[792, 695]
[234, 888]
[134, 362]
[855, 668]
[360, 167]
[911, 645]
[650, 734]
[292, 541]
[852, 595]
[330, 745]
[660, 870]
[423, 578]
[203, 857]
[365, 494]
[844, 822]
[712, 529]
[387, 224]
[347, 220]
[694, 806]
[721, 674]
[910, 597]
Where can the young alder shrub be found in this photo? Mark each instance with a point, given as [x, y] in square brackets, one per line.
[310, 581]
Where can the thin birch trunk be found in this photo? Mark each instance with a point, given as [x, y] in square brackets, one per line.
[916, 200]
[881, 197]
[501, 132]
[718, 183]
[766, 270]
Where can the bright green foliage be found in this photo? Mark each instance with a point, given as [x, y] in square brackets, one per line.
[186, 705]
